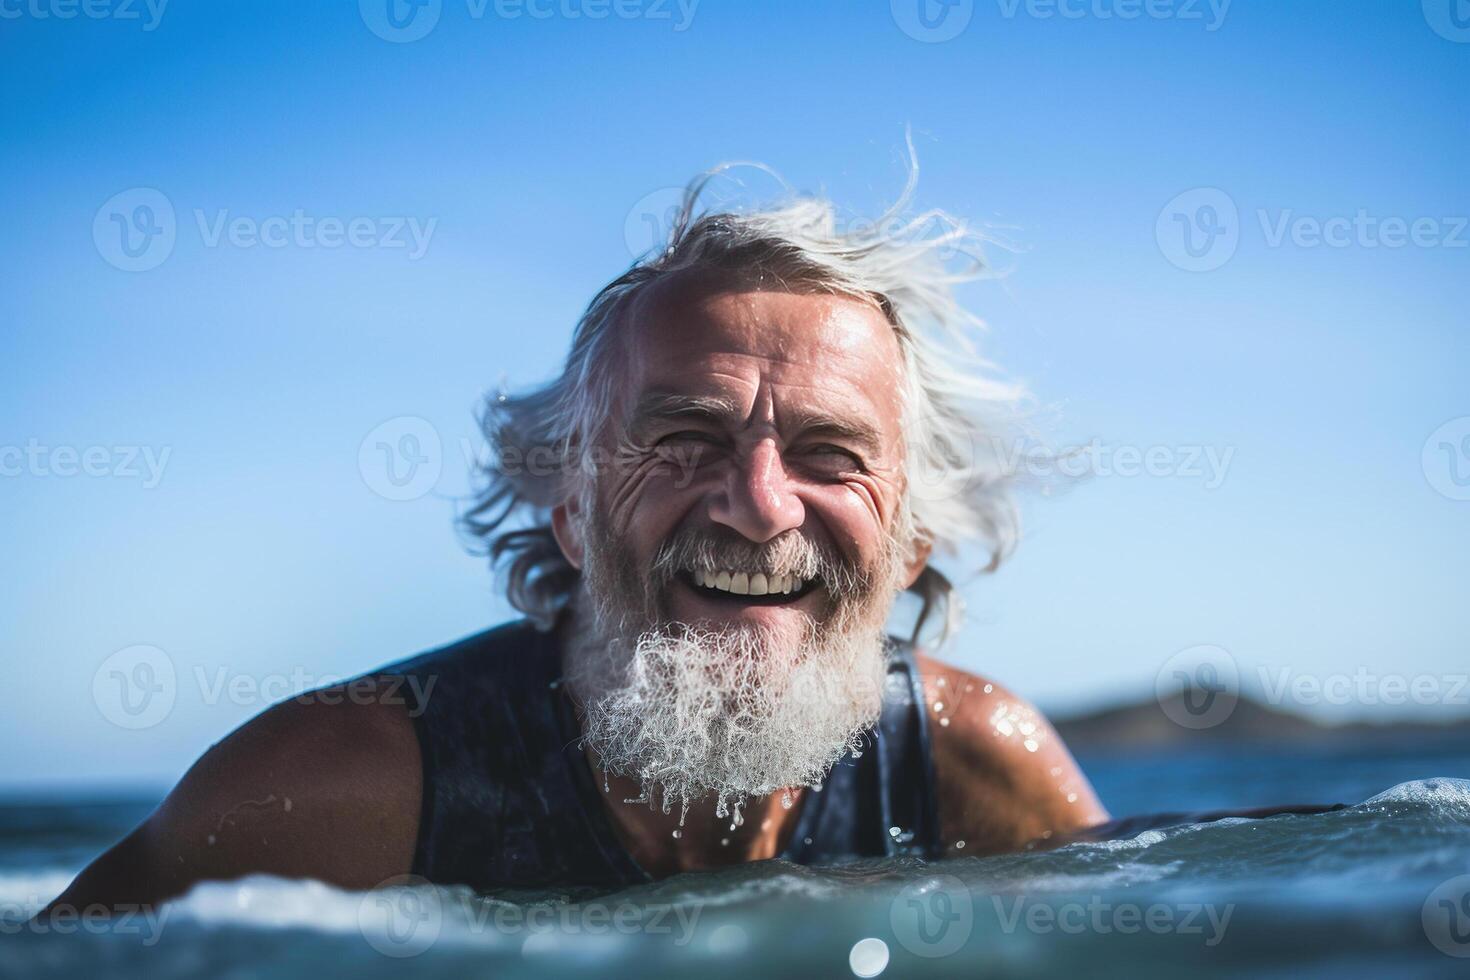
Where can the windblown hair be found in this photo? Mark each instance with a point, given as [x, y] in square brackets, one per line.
[955, 405]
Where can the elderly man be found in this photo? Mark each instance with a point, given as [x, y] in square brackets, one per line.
[759, 436]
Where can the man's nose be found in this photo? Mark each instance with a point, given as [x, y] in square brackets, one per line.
[757, 499]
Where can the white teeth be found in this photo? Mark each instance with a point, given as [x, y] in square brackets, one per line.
[745, 583]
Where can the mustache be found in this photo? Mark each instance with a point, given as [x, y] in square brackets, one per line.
[790, 553]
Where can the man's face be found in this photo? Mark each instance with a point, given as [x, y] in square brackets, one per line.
[759, 425]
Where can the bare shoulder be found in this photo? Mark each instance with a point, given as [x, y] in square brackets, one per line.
[324, 786]
[1005, 776]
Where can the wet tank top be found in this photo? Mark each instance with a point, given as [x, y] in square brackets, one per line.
[509, 801]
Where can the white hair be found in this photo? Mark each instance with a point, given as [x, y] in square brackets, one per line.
[908, 265]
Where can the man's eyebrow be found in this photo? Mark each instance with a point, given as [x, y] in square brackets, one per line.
[663, 405]
[860, 432]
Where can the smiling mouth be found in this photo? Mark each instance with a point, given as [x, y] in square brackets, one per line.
[749, 590]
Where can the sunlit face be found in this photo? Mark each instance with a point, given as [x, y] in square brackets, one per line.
[765, 422]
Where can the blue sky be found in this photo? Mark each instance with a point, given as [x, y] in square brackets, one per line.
[523, 149]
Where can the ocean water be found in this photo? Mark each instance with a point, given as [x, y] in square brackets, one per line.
[1381, 888]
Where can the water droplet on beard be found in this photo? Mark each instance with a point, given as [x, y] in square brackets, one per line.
[724, 842]
[736, 820]
[944, 722]
[786, 801]
[807, 841]
[959, 845]
[678, 834]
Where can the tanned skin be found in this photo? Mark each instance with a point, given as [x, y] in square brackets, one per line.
[352, 775]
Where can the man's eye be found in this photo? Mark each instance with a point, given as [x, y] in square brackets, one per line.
[689, 436]
[828, 455]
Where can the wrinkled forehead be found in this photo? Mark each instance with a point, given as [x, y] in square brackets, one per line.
[706, 335]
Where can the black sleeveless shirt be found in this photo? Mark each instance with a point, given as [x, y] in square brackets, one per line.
[509, 801]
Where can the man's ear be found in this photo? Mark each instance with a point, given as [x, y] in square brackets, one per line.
[566, 526]
[922, 548]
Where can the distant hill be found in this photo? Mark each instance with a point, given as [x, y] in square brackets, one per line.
[1148, 724]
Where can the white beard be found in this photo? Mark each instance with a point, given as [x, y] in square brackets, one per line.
[732, 713]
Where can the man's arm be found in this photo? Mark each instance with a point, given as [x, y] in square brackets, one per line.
[325, 788]
[1005, 777]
